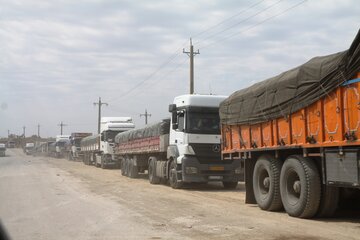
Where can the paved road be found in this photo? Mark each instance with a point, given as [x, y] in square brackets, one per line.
[46, 198]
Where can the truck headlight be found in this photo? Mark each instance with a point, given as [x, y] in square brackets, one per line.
[191, 170]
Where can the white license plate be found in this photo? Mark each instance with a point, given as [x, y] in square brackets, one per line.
[215, 177]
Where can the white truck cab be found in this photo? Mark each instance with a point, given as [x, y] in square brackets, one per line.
[109, 127]
[195, 141]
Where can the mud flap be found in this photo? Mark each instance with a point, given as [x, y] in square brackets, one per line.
[249, 169]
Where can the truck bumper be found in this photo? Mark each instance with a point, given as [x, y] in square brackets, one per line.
[110, 162]
[225, 171]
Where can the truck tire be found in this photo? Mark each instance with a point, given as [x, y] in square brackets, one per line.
[102, 162]
[329, 201]
[153, 179]
[230, 185]
[300, 187]
[91, 156]
[173, 176]
[127, 167]
[266, 183]
[133, 170]
[85, 159]
[123, 173]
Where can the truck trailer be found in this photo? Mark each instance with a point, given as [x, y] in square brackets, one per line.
[184, 149]
[98, 150]
[298, 135]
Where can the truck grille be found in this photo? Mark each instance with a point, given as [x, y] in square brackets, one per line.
[206, 152]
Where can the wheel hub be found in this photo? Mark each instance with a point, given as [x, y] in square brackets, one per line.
[297, 186]
[266, 182]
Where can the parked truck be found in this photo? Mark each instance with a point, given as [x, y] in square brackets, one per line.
[98, 150]
[29, 148]
[184, 149]
[72, 149]
[57, 149]
[299, 135]
[11, 144]
[2, 149]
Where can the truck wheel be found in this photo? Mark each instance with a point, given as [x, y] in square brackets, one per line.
[300, 187]
[123, 167]
[102, 162]
[127, 167]
[230, 185]
[173, 178]
[133, 170]
[266, 183]
[329, 201]
[91, 159]
[153, 179]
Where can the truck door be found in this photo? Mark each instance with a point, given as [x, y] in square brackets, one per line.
[179, 132]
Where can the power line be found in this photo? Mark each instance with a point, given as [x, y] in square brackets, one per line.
[242, 21]
[170, 59]
[227, 19]
[255, 25]
[176, 53]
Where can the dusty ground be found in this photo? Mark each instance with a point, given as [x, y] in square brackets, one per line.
[46, 198]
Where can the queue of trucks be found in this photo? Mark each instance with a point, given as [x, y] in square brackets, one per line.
[294, 139]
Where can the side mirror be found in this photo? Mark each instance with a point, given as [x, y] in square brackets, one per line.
[174, 119]
[172, 107]
[175, 126]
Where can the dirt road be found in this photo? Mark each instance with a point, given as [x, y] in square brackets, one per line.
[47, 198]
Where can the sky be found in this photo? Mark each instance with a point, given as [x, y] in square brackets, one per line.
[58, 57]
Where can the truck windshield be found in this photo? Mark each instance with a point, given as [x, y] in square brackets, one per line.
[203, 123]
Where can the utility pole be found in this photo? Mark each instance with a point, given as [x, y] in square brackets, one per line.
[191, 54]
[38, 127]
[24, 131]
[61, 127]
[8, 133]
[99, 114]
[146, 116]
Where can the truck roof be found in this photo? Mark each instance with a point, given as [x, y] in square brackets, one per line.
[199, 100]
[116, 119]
[59, 137]
[80, 135]
[30, 145]
[116, 123]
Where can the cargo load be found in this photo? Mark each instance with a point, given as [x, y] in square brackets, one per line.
[292, 90]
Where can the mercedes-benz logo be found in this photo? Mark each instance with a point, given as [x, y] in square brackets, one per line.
[216, 148]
